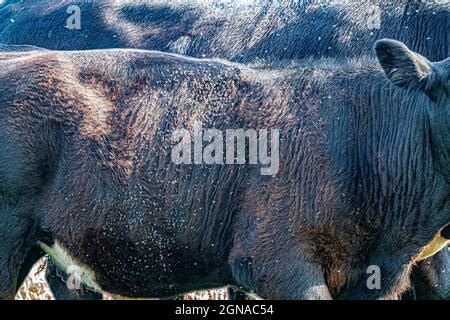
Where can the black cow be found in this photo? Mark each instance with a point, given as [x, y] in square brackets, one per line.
[244, 32]
[87, 172]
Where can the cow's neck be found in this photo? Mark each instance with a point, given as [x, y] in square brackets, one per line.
[400, 187]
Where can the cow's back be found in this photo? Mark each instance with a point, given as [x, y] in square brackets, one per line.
[243, 32]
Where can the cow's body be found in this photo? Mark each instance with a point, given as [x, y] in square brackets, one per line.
[242, 31]
[238, 31]
[85, 165]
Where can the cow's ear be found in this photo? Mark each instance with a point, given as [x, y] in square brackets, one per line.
[403, 67]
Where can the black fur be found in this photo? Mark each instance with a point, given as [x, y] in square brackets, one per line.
[85, 161]
[270, 30]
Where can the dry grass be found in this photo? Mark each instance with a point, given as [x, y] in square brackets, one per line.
[35, 288]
